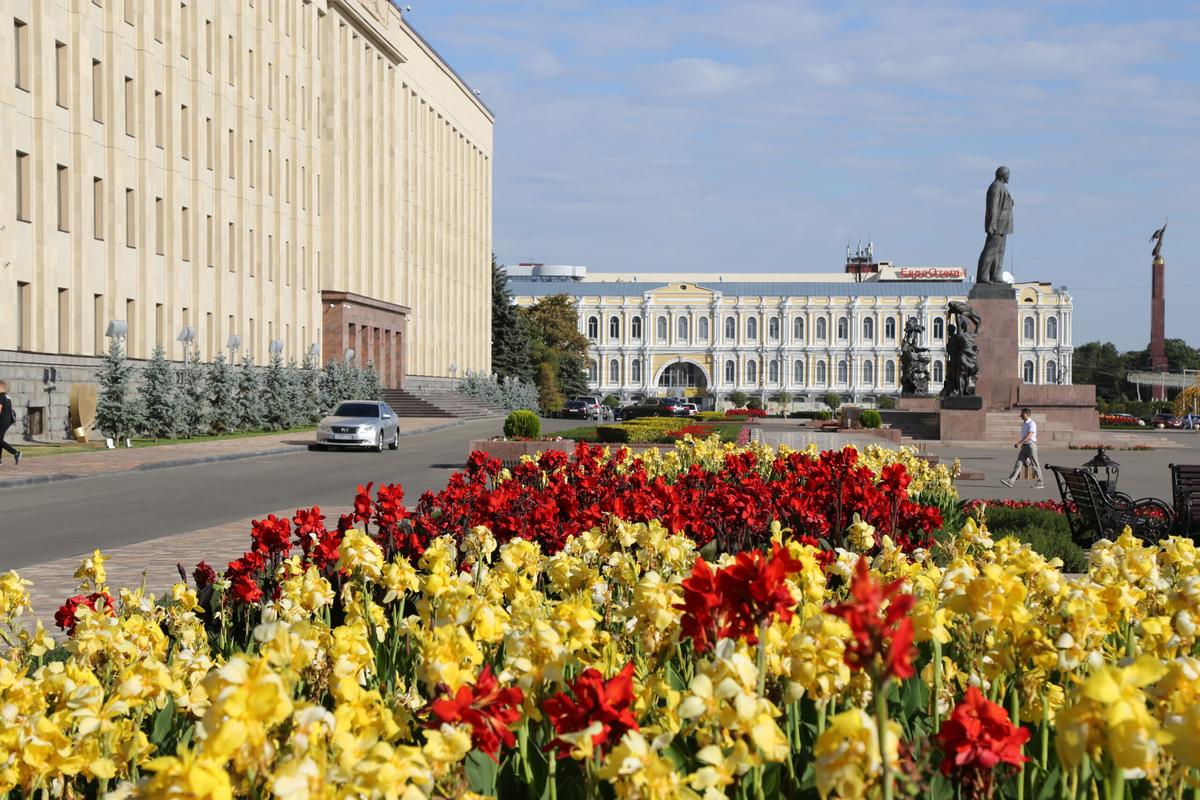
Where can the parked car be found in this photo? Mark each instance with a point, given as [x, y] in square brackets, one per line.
[360, 423]
[1165, 419]
[576, 409]
[691, 408]
[591, 404]
[656, 407]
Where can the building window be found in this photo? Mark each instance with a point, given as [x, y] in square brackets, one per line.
[97, 91]
[1052, 328]
[185, 233]
[593, 372]
[24, 319]
[160, 122]
[1051, 372]
[939, 373]
[730, 329]
[185, 133]
[62, 74]
[773, 329]
[682, 328]
[1027, 372]
[211, 244]
[614, 328]
[661, 329]
[752, 329]
[798, 372]
[98, 208]
[130, 107]
[614, 372]
[160, 223]
[752, 372]
[635, 370]
[593, 328]
[798, 329]
[843, 373]
[821, 374]
[939, 328]
[868, 373]
[822, 329]
[773, 371]
[889, 373]
[730, 372]
[64, 320]
[868, 330]
[702, 329]
[64, 199]
[1028, 328]
[635, 328]
[843, 329]
[24, 188]
[130, 218]
[98, 324]
[21, 45]
[889, 328]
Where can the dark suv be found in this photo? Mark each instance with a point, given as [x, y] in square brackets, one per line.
[656, 407]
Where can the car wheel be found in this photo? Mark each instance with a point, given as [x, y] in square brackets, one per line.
[379, 443]
[395, 445]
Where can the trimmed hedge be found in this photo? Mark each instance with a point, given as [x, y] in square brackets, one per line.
[522, 425]
[870, 418]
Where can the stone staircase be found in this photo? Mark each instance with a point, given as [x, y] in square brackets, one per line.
[440, 404]
[1005, 426]
[914, 425]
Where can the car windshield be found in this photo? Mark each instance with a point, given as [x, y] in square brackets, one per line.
[357, 410]
[575, 404]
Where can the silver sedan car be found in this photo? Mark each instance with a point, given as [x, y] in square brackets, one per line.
[360, 423]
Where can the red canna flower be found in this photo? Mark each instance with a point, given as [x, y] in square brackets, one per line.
[882, 639]
[976, 738]
[65, 616]
[487, 708]
[593, 700]
[272, 535]
[204, 575]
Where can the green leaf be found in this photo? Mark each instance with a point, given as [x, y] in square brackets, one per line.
[163, 721]
[940, 788]
[481, 772]
[1049, 786]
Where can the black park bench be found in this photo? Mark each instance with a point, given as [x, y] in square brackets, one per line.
[1185, 489]
[1094, 514]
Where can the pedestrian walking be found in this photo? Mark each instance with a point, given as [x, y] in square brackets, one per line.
[7, 418]
[1027, 451]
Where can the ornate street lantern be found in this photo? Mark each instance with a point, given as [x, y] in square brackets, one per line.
[1111, 469]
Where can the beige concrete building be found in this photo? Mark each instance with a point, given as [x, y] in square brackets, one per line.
[220, 165]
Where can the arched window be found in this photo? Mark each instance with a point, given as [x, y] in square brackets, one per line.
[773, 371]
[868, 329]
[730, 329]
[939, 373]
[822, 329]
[843, 328]
[868, 373]
[730, 372]
[798, 329]
[635, 328]
[1051, 372]
[593, 328]
[889, 328]
[593, 372]
[635, 370]
[702, 329]
[889, 373]
[1052, 328]
[681, 329]
[660, 331]
[843, 373]
[614, 327]
[821, 373]
[773, 329]
[751, 372]
[614, 372]
[798, 372]
[752, 328]
[1027, 372]
[939, 328]
[1027, 329]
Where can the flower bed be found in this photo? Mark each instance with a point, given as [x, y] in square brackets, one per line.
[370, 660]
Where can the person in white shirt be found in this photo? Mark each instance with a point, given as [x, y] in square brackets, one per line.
[1027, 451]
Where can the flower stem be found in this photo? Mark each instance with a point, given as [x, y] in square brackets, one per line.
[1015, 712]
[881, 723]
[936, 711]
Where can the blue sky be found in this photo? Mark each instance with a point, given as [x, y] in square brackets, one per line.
[760, 136]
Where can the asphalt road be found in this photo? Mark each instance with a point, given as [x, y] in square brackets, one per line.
[49, 521]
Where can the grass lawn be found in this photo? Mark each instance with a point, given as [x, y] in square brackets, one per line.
[728, 431]
[37, 450]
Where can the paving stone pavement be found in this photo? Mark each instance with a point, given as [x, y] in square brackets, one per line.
[69, 466]
[152, 561]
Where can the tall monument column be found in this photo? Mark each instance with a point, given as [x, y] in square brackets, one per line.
[1158, 312]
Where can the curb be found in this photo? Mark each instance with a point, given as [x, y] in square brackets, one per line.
[187, 461]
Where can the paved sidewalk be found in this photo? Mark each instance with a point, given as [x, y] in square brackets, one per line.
[69, 466]
[152, 561]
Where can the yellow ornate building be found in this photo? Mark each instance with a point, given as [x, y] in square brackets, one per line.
[706, 336]
[308, 174]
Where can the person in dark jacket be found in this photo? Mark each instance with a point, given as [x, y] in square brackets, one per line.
[7, 418]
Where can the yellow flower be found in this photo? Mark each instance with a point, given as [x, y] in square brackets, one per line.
[1109, 716]
[847, 754]
[91, 573]
[1183, 731]
[187, 775]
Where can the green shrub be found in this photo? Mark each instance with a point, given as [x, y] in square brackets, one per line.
[645, 430]
[824, 415]
[870, 419]
[755, 403]
[522, 425]
[1047, 532]
[710, 416]
[886, 403]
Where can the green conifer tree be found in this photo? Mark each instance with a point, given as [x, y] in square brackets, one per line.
[275, 395]
[115, 414]
[160, 397]
[311, 400]
[248, 397]
[193, 395]
[222, 386]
